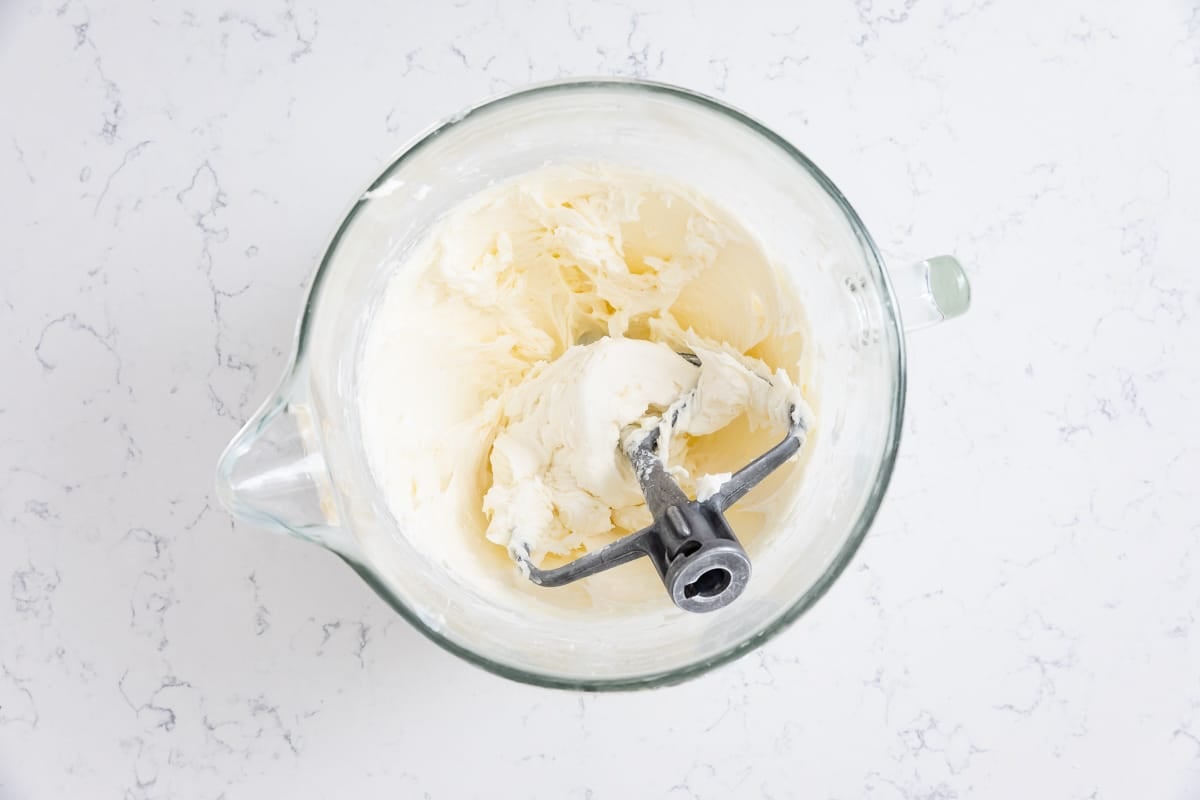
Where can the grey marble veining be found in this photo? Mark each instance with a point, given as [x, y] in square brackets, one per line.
[1022, 619]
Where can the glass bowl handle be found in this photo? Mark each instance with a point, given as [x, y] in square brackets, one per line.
[931, 291]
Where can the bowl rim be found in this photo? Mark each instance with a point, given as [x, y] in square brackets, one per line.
[892, 334]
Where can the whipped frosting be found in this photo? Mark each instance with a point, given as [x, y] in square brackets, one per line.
[538, 327]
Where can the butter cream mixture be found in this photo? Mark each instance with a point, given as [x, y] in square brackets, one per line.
[539, 325]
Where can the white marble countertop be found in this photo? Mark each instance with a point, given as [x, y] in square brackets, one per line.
[1022, 621]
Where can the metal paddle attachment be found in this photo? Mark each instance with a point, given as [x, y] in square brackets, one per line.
[692, 545]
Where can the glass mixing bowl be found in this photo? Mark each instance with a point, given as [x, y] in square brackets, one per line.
[299, 465]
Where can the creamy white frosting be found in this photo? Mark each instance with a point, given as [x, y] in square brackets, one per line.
[537, 325]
